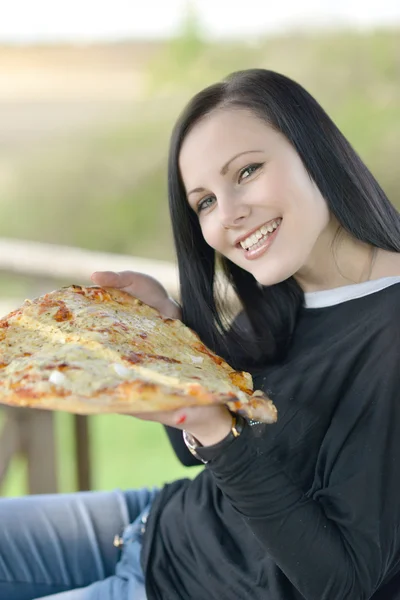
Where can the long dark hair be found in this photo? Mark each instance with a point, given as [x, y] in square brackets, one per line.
[353, 195]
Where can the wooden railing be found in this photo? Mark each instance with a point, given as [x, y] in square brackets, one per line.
[31, 433]
[65, 262]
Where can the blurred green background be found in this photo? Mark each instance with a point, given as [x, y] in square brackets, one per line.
[84, 137]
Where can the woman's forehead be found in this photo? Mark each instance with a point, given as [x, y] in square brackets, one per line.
[226, 124]
[220, 135]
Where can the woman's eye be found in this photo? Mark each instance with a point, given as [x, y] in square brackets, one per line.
[247, 171]
[206, 203]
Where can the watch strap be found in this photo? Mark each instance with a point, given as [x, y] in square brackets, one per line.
[207, 453]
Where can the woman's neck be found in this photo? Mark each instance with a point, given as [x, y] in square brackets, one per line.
[337, 260]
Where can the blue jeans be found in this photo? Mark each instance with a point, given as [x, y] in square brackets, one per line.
[61, 546]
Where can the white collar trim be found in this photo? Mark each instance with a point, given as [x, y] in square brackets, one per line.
[324, 298]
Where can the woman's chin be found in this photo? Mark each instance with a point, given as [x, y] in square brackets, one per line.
[270, 276]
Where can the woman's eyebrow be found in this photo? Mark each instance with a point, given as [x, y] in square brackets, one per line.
[225, 168]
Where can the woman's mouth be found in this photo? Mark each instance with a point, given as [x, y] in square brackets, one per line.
[259, 241]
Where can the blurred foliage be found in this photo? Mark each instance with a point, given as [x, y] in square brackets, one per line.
[107, 190]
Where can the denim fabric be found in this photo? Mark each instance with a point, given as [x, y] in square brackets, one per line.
[61, 546]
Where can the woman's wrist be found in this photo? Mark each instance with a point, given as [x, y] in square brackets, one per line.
[215, 432]
[206, 453]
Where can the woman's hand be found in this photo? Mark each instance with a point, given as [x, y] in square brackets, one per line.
[142, 286]
[208, 424]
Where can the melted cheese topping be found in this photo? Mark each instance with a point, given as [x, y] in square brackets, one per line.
[86, 341]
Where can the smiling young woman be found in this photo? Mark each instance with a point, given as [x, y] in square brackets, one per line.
[262, 183]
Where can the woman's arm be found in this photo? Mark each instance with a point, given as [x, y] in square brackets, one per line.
[341, 540]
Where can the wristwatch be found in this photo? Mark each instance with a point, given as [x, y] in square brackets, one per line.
[207, 453]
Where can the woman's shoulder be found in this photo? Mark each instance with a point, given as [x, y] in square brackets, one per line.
[378, 312]
[389, 298]
[384, 322]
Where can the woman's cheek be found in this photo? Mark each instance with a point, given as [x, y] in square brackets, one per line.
[212, 235]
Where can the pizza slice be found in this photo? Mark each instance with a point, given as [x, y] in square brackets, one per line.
[91, 350]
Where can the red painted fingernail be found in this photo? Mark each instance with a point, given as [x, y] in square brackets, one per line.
[181, 420]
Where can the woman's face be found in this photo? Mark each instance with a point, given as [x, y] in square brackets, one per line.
[256, 204]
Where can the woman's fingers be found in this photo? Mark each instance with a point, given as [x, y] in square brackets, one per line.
[113, 279]
[142, 286]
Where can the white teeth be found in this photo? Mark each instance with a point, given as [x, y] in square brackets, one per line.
[260, 233]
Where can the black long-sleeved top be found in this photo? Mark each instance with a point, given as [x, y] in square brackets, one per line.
[308, 508]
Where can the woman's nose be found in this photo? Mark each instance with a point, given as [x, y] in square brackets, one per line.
[232, 213]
